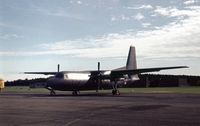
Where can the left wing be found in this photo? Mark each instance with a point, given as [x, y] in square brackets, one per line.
[45, 73]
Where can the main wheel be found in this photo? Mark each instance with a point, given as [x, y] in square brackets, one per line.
[114, 92]
[74, 93]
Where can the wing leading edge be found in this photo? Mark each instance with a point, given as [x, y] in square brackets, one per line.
[116, 71]
[44, 73]
[145, 70]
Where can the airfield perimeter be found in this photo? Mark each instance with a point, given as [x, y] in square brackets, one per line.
[99, 109]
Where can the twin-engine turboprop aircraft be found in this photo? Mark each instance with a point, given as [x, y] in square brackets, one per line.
[76, 81]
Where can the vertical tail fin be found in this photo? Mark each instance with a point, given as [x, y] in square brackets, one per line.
[131, 63]
[131, 60]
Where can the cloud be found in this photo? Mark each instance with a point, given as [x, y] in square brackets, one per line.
[121, 18]
[189, 2]
[124, 18]
[162, 11]
[113, 18]
[79, 2]
[174, 12]
[145, 25]
[75, 2]
[10, 36]
[57, 12]
[138, 16]
[181, 38]
[65, 14]
[141, 7]
[176, 39]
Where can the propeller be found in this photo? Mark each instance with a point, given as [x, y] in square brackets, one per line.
[99, 77]
[98, 66]
[58, 68]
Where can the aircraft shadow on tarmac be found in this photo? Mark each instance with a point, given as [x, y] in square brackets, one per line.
[147, 107]
[58, 95]
[79, 95]
[85, 94]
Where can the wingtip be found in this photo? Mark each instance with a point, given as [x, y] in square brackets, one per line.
[184, 66]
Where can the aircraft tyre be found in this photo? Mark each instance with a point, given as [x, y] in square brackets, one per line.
[115, 92]
[75, 93]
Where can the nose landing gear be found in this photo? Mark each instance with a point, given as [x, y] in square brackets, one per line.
[52, 92]
[75, 92]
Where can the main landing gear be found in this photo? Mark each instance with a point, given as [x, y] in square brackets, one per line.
[115, 90]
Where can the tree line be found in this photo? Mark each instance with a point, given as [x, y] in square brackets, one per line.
[146, 80]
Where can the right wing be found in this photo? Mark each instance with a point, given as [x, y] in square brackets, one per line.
[145, 70]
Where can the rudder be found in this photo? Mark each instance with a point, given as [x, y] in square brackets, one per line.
[131, 60]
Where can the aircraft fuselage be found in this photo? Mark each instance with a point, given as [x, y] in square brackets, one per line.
[74, 84]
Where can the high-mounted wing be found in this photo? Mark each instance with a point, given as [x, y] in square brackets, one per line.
[92, 72]
[138, 71]
[45, 73]
[116, 72]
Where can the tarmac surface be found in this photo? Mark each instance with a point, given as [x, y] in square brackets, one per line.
[99, 110]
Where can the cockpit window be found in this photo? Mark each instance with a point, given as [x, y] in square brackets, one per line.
[59, 75]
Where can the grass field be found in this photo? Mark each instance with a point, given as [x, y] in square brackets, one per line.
[190, 90]
[23, 89]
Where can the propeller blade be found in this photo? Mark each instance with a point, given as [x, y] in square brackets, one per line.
[99, 79]
[58, 68]
[98, 66]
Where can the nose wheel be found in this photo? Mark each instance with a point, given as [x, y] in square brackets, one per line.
[75, 93]
[52, 92]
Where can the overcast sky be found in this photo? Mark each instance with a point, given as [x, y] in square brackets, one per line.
[36, 35]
